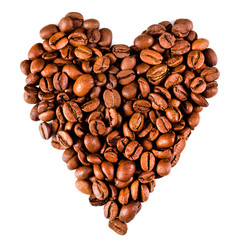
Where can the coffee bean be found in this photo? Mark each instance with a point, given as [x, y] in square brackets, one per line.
[136, 122]
[133, 150]
[84, 186]
[163, 168]
[100, 190]
[58, 41]
[198, 85]
[167, 40]
[143, 41]
[210, 57]
[128, 212]
[92, 143]
[83, 85]
[166, 140]
[91, 24]
[118, 226]
[163, 124]
[151, 57]
[125, 170]
[180, 47]
[65, 24]
[157, 73]
[112, 98]
[147, 161]
[121, 50]
[111, 210]
[123, 196]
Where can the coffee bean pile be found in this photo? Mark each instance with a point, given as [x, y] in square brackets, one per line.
[121, 114]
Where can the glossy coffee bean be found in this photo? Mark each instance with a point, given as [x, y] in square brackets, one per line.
[128, 212]
[118, 226]
[111, 210]
[100, 190]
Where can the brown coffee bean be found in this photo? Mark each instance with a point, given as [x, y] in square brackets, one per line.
[211, 89]
[180, 92]
[118, 226]
[195, 59]
[72, 112]
[125, 170]
[199, 99]
[58, 41]
[121, 50]
[111, 210]
[181, 47]
[210, 57]
[144, 193]
[210, 74]
[144, 87]
[101, 65]
[142, 68]
[200, 44]
[120, 184]
[198, 85]
[91, 23]
[121, 144]
[65, 24]
[163, 168]
[77, 39]
[76, 18]
[147, 161]
[143, 41]
[123, 196]
[45, 130]
[112, 138]
[47, 31]
[151, 57]
[136, 122]
[193, 119]
[157, 73]
[166, 140]
[84, 186]
[158, 102]
[35, 51]
[92, 143]
[97, 127]
[106, 37]
[129, 211]
[83, 52]
[155, 29]
[64, 139]
[179, 145]
[162, 154]
[173, 114]
[96, 202]
[133, 150]
[125, 77]
[146, 177]
[167, 40]
[83, 85]
[83, 172]
[100, 190]
[112, 98]
[163, 124]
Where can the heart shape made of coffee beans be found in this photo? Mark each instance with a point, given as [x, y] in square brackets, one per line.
[121, 114]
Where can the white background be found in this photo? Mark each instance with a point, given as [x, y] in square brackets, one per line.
[198, 200]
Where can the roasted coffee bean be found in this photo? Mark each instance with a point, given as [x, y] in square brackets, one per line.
[128, 212]
[72, 112]
[199, 99]
[47, 31]
[92, 143]
[147, 161]
[133, 150]
[101, 65]
[151, 57]
[198, 85]
[121, 50]
[180, 47]
[76, 18]
[112, 98]
[64, 139]
[45, 130]
[97, 127]
[83, 85]
[146, 176]
[111, 210]
[163, 168]
[167, 40]
[125, 170]
[35, 51]
[193, 119]
[210, 74]
[158, 102]
[163, 124]
[155, 29]
[125, 77]
[95, 201]
[143, 41]
[58, 41]
[124, 196]
[118, 226]
[166, 140]
[100, 190]
[83, 172]
[210, 57]
[130, 91]
[136, 122]
[157, 73]
[173, 114]
[211, 89]
[200, 44]
[84, 186]
[91, 23]
[195, 59]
